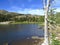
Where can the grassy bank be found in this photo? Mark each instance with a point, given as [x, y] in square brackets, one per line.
[13, 22]
[26, 23]
[39, 23]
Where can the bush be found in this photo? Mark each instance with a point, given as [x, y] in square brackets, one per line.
[55, 41]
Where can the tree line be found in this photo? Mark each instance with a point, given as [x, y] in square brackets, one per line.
[17, 17]
[12, 16]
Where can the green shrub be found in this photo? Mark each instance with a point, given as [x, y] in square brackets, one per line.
[55, 41]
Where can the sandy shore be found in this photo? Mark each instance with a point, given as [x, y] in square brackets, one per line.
[4, 22]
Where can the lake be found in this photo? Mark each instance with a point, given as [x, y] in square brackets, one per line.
[19, 32]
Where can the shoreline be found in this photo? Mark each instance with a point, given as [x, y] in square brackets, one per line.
[7, 22]
[13, 22]
[39, 23]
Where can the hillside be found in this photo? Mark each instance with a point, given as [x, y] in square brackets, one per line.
[17, 17]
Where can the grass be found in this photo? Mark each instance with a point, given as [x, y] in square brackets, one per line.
[40, 23]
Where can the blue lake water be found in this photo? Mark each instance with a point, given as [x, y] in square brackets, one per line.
[13, 32]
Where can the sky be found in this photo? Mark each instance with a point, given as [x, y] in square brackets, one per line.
[27, 6]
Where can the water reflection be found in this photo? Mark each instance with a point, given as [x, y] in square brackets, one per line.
[10, 33]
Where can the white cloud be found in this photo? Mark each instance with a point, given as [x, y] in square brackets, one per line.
[57, 10]
[36, 11]
[32, 11]
[56, 3]
[27, 10]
